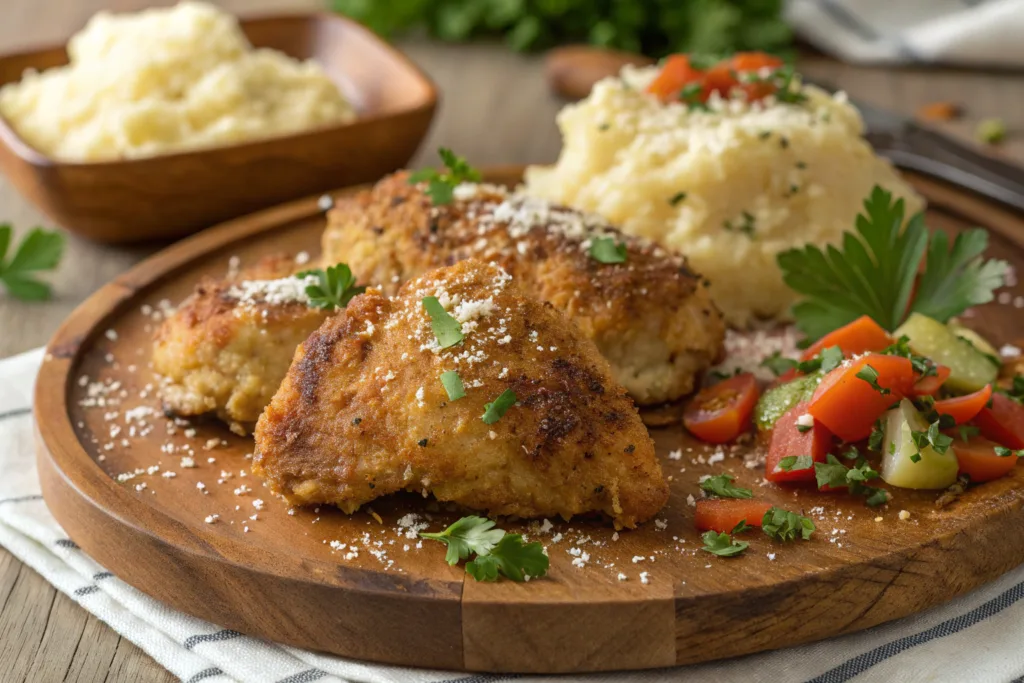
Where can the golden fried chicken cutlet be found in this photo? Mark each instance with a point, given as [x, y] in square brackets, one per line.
[228, 346]
[650, 316]
[542, 429]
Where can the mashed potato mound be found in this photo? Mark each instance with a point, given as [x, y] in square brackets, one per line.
[730, 187]
[166, 80]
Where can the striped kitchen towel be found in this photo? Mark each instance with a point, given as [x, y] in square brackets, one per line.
[962, 32]
[975, 638]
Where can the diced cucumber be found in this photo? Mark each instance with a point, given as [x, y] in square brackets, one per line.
[933, 470]
[774, 403]
[973, 338]
[970, 369]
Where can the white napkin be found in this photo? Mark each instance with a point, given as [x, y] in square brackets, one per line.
[975, 638]
[963, 32]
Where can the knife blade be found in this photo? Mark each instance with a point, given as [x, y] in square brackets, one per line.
[914, 147]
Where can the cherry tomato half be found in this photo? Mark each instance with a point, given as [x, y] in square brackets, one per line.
[720, 413]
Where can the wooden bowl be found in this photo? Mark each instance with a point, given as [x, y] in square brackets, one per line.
[172, 195]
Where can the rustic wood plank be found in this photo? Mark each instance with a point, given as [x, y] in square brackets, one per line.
[23, 621]
[131, 665]
[96, 648]
[65, 625]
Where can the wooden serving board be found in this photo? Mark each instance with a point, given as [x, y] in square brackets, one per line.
[277, 576]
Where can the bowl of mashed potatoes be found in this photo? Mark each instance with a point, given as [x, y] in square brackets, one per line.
[155, 124]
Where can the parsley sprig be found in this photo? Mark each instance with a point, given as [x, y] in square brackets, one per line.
[497, 552]
[835, 475]
[723, 544]
[334, 288]
[39, 250]
[827, 360]
[441, 185]
[875, 270]
[783, 525]
[721, 485]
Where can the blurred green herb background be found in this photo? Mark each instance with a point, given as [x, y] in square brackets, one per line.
[653, 27]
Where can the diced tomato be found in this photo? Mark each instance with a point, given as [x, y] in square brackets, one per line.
[677, 72]
[720, 78]
[674, 75]
[963, 409]
[930, 385]
[754, 61]
[1003, 421]
[720, 413]
[788, 439]
[860, 336]
[979, 461]
[723, 514]
[848, 405]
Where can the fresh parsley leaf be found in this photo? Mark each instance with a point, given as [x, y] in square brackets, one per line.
[1004, 452]
[794, 463]
[803, 429]
[783, 525]
[876, 496]
[39, 250]
[721, 485]
[441, 185]
[453, 385]
[467, 536]
[511, 557]
[677, 199]
[933, 437]
[957, 278]
[447, 330]
[691, 95]
[870, 375]
[494, 411]
[827, 360]
[1016, 389]
[921, 365]
[831, 473]
[741, 527]
[496, 552]
[607, 250]
[746, 226]
[722, 544]
[875, 271]
[778, 364]
[834, 474]
[334, 288]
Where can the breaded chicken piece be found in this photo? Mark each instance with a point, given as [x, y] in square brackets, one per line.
[229, 345]
[363, 412]
[650, 316]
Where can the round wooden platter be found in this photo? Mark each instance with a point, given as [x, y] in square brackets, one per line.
[272, 572]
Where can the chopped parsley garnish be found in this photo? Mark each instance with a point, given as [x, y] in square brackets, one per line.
[827, 360]
[494, 411]
[441, 185]
[746, 226]
[803, 429]
[453, 385]
[496, 551]
[877, 436]
[607, 250]
[924, 438]
[901, 347]
[778, 364]
[870, 375]
[447, 330]
[39, 250]
[741, 527]
[1004, 452]
[691, 96]
[1016, 390]
[721, 485]
[783, 525]
[834, 474]
[722, 544]
[795, 463]
[677, 198]
[875, 271]
[335, 287]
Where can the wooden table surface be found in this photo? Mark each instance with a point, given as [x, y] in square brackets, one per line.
[495, 109]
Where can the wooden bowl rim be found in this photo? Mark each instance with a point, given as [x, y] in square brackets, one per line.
[29, 154]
